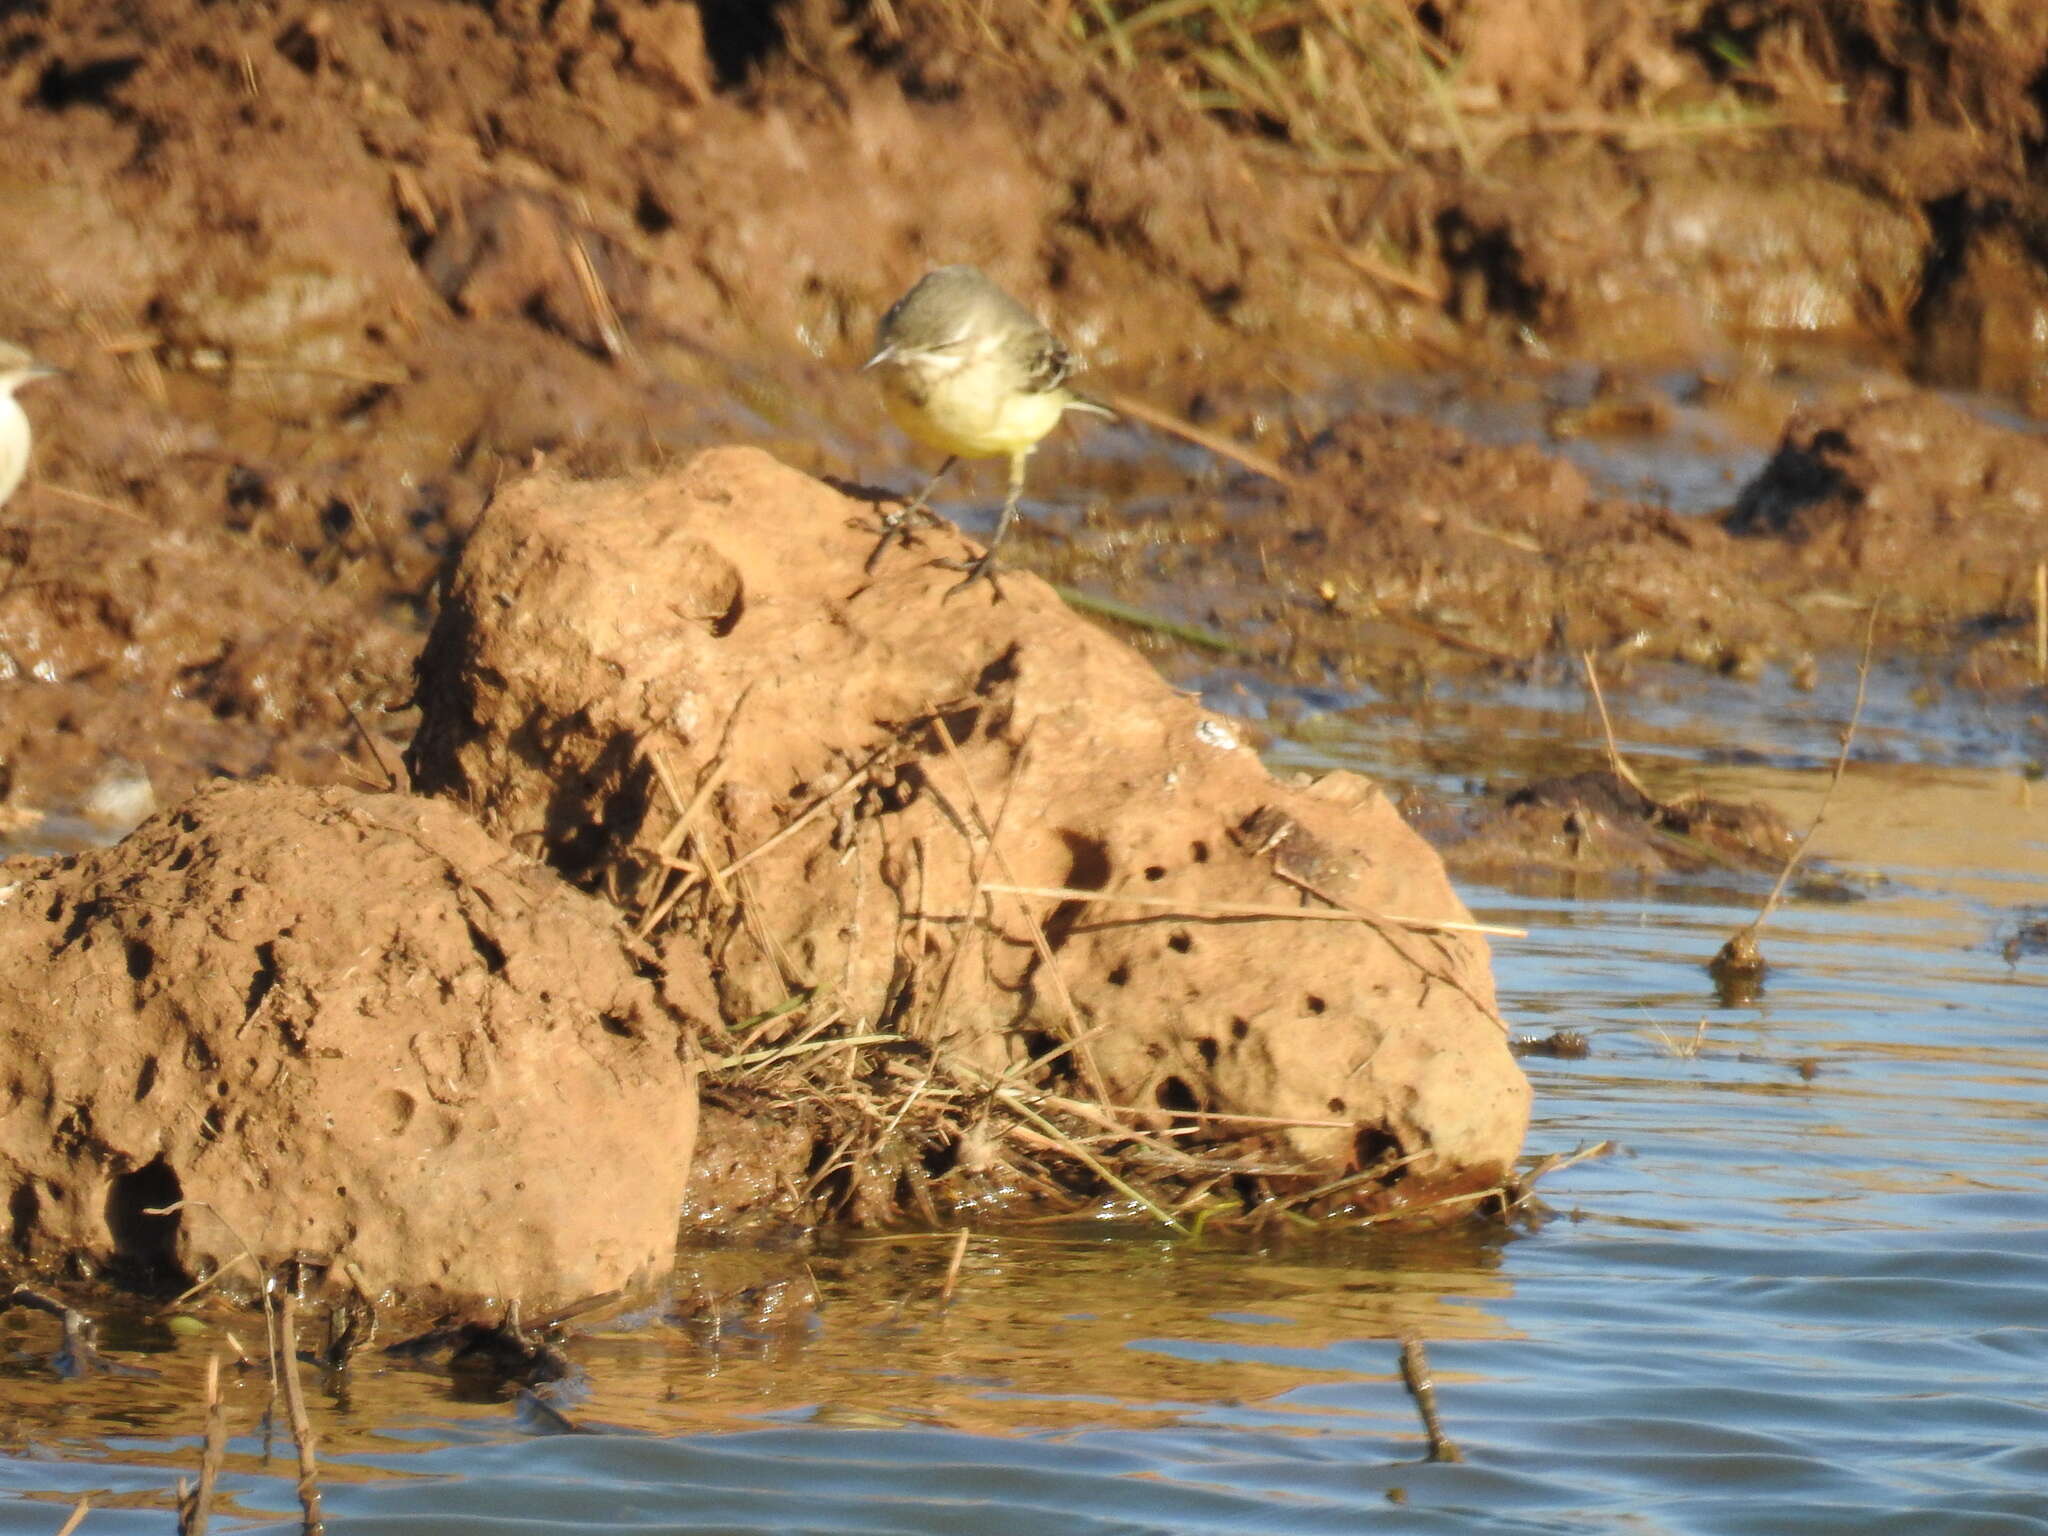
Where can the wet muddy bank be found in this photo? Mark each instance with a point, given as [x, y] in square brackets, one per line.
[324, 279]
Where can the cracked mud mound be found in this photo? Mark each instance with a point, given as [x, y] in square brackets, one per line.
[356, 1029]
[614, 654]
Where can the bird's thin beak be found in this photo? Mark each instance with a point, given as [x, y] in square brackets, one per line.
[882, 356]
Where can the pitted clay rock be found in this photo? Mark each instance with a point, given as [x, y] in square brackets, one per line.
[342, 1026]
[716, 626]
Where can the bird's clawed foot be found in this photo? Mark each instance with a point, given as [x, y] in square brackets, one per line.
[983, 569]
[897, 527]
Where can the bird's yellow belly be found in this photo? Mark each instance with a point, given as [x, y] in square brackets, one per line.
[957, 416]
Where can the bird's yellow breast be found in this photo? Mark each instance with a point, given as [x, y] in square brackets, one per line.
[974, 413]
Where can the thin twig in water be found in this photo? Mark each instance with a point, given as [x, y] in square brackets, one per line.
[295, 1405]
[1777, 895]
[195, 1509]
[1415, 1376]
[78, 1513]
[1615, 760]
[953, 1269]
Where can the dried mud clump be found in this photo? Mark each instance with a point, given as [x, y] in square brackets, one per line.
[971, 849]
[341, 1027]
[1907, 495]
[1597, 824]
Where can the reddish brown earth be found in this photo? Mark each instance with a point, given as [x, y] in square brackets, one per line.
[861, 757]
[344, 1027]
[325, 275]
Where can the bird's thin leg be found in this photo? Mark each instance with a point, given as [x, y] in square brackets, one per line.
[896, 525]
[985, 568]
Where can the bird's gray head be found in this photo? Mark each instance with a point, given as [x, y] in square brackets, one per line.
[18, 368]
[945, 308]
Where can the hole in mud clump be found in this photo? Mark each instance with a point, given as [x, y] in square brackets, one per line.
[247, 490]
[24, 1211]
[91, 84]
[619, 783]
[141, 960]
[337, 518]
[1239, 1028]
[145, 1246]
[729, 620]
[261, 983]
[299, 45]
[1120, 977]
[998, 672]
[740, 35]
[214, 1123]
[1205, 1047]
[1180, 943]
[1199, 852]
[1087, 870]
[960, 725]
[145, 1080]
[1155, 871]
[1314, 1004]
[612, 1024]
[485, 946]
[180, 860]
[1038, 1043]
[1175, 1095]
[651, 214]
[82, 918]
[1486, 265]
[1373, 1146]
[1336, 1106]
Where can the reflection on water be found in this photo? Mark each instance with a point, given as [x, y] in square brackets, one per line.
[1805, 1296]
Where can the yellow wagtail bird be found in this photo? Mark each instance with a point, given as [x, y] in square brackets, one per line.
[966, 369]
[16, 369]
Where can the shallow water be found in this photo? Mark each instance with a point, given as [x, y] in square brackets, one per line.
[1806, 1294]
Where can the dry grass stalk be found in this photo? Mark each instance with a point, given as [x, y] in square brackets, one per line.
[1082, 1155]
[1164, 421]
[392, 782]
[87, 499]
[953, 1268]
[1615, 761]
[1256, 909]
[78, 1514]
[603, 313]
[2041, 621]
